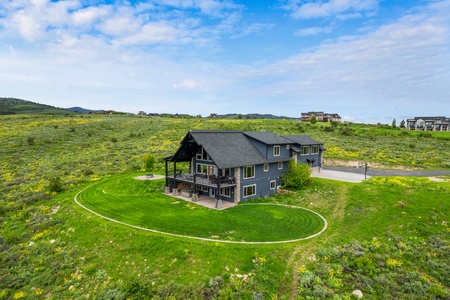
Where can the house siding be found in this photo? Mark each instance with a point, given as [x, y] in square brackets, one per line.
[262, 180]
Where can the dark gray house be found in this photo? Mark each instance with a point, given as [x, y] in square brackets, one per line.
[236, 165]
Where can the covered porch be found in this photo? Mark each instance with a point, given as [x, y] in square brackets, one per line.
[208, 202]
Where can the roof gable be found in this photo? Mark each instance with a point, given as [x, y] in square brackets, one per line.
[228, 149]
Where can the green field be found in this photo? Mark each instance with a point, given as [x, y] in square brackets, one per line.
[140, 203]
[388, 236]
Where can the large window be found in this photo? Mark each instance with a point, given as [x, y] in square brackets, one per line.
[226, 172]
[202, 155]
[250, 190]
[266, 167]
[273, 184]
[276, 150]
[315, 149]
[249, 172]
[305, 150]
[225, 192]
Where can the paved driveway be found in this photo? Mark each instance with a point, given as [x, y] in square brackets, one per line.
[357, 175]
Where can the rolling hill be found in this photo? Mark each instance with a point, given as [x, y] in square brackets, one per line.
[12, 106]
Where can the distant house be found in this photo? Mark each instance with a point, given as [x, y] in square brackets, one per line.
[320, 117]
[236, 165]
[428, 124]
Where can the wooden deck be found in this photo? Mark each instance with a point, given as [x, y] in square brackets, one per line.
[203, 181]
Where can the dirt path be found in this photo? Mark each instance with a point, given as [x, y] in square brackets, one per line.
[304, 252]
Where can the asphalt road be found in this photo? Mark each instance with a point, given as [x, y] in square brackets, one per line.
[378, 172]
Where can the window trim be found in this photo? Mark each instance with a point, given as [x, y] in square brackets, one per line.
[276, 150]
[245, 172]
[253, 186]
[314, 147]
[305, 147]
[274, 183]
[227, 191]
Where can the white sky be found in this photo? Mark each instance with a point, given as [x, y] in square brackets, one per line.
[370, 61]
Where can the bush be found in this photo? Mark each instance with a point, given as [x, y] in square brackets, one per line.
[31, 140]
[55, 184]
[149, 161]
[297, 176]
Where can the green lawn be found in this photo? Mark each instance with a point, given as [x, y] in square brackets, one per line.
[141, 203]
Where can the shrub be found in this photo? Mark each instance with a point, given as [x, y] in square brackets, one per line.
[424, 134]
[313, 120]
[149, 161]
[55, 184]
[297, 176]
[31, 140]
[347, 130]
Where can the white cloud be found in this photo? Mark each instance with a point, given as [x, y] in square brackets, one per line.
[312, 31]
[152, 33]
[89, 15]
[331, 8]
[187, 84]
[402, 64]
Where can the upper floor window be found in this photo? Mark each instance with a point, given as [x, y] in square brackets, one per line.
[202, 155]
[276, 150]
[266, 167]
[249, 172]
[280, 165]
[315, 149]
[305, 150]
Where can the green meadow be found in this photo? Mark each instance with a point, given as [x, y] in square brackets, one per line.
[387, 236]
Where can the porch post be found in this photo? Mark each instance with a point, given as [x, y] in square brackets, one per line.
[218, 184]
[174, 174]
[167, 172]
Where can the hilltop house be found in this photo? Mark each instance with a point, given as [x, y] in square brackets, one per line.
[428, 124]
[236, 165]
[320, 117]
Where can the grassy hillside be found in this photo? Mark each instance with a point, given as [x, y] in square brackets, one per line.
[12, 106]
[388, 237]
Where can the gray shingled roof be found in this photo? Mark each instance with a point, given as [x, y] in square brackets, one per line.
[268, 138]
[231, 148]
[228, 149]
[302, 140]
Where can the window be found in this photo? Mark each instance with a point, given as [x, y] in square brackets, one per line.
[276, 150]
[249, 172]
[273, 184]
[280, 165]
[250, 190]
[225, 192]
[305, 150]
[314, 149]
[202, 155]
[226, 172]
[266, 167]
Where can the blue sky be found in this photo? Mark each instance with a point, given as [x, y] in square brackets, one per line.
[369, 61]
